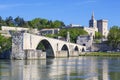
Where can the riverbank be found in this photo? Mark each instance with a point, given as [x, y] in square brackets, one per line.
[116, 54]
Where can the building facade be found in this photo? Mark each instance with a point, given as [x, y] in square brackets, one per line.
[91, 30]
[73, 26]
[85, 40]
[102, 27]
[92, 26]
[99, 26]
[5, 30]
[49, 31]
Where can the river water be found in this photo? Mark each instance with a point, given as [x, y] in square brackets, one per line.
[74, 68]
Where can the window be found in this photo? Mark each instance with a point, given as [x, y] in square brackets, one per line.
[84, 44]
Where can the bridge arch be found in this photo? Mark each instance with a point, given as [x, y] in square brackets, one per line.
[83, 50]
[76, 48]
[46, 46]
[65, 48]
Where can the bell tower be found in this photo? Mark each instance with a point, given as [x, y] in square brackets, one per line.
[92, 21]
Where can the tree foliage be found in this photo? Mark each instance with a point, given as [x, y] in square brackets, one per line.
[9, 21]
[114, 37]
[74, 32]
[5, 44]
[98, 35]
[41, 47]
[38, 23]
[52, 35]
[20, 22]
[2, 22]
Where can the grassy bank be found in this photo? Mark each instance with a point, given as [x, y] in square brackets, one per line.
[116, 54]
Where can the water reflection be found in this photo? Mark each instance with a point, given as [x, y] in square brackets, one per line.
[82, 68]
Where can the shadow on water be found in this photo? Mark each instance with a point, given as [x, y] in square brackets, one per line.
[75, 68]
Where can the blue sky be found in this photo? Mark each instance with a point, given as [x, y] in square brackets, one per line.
[68, 11]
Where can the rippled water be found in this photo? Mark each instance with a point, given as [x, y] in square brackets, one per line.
[74, 68]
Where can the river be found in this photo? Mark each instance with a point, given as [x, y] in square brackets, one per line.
[74, 68]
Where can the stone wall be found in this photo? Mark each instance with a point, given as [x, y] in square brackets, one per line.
[35, 54]
[100, 47]
[74, 53]
[17, 46]
[61, 54]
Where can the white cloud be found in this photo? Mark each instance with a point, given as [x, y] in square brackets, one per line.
[7, 6]
[85, 2]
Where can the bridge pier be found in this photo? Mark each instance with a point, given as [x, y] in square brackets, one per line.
[61, 54]
[17, 46]
[74, 54]
[65, 54]
[35, 54]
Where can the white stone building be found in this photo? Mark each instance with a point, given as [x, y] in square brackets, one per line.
[5, 30]
[9, 28]
[49, 31]
[73, 25]
[94, 26]
[103, 27]
[85, 40]
[98, 26]
[91, 30]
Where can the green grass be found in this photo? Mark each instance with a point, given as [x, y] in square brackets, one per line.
[101, 54]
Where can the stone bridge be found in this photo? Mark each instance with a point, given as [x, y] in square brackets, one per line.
[24, 46]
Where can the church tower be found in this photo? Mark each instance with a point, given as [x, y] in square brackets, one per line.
[92, 22]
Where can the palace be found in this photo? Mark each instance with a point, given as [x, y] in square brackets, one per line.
[94, 26]
[99, 26]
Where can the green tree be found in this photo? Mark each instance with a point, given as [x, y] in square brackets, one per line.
[5, 43]
[74, 33]
[9, 21]
[38, 23]
[98, 35]
[57, 24]
[20, 22]
[41, 47]
[35, 22]
[1, 21]
[114, 37]
[52, 35]
[44, 21]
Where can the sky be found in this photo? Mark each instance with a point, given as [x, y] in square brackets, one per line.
[68, 11]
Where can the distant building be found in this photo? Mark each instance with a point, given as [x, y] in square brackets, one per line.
[92, 26]
[91, 30]
[85, 40]
[103, 27]
[5, 30]
[73, 26]
[97, 26]
[49, 31]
